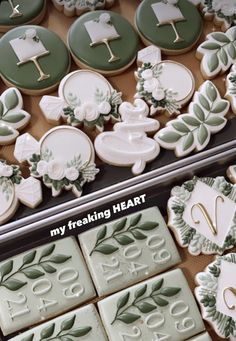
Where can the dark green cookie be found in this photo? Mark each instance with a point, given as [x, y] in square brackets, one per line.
[173, 25]
[18, 49]
[19, 12]
[94, 28]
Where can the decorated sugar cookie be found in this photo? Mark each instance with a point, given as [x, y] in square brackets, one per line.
[202, 337]
[14, 189]
[103, 41]
[78, 7]
[166, 86]
[150, 54]
[173, 25]
[216, 293]
[85, 97]
[28, 56]
[231, 173]
[222, 11]
[19, 12]
[217, 53]
[128, 144]
[231, 88]
[192, 131]
[202, 215]
[12, 117]
[63, 158]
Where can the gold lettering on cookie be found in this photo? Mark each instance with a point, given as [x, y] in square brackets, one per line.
[233, 291]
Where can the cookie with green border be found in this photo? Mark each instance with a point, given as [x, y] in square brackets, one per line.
[103, 41]
[173, 25]
[33, 59]
[20, 12]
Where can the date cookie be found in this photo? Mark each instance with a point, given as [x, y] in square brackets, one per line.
[103, 41]
[28, 55]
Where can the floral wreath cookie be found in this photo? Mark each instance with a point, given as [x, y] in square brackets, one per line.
[12, 117]
[157, 86]
[78, 7]
[63, 158]
[192, 131]
[216, 294]
[204, 223]
[19, 12]
[217, 53]
[222, 11]
[173, 25]
[15, 189]
[85, 97]
[28, 55]
[103, 41]
[128, 143]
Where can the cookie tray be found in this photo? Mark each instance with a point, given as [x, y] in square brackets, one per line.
[155, 185]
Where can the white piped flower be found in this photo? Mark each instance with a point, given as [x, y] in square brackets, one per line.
[72, 174]
[147, 74]
[30, 33]
[79, 114]
[104, 18]
[7, 171]
[90, 111]
[158, 94]
[104, 108]
[150, 84]
[42, 167]
[56, 170]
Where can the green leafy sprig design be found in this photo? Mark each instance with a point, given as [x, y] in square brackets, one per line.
[7, 182]
[123, 234]
[142, 302]
[66, 332]
[31, 269]
[231, 19]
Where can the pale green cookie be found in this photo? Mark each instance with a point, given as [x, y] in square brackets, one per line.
[162, 308]
[20, 12]
[128, 250]
[81, 324]
[174, 26]
[28, 55]
[103, 41]
[42, 283]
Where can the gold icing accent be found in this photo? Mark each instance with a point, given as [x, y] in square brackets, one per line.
[213, 225]
[15, 12]
[233, 291]
[42, 75]
[113, 58]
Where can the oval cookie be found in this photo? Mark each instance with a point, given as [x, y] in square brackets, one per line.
[20, 12]
[28, 56]
[103, 41]
[174, 26]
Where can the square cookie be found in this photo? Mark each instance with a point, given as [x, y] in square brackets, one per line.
[162, 308]
[128, 250]
[81, 324]
[42, 283]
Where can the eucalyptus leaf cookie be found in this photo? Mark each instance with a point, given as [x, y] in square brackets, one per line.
[223, 12]
[42, 283]
[103, 41]
[63, 158]
[128, 143]
[21, 12]
[162, 308]
[192, 131]
[159, 85]
[173, 25]
[12, 115]
[33, 59]
[202, 215]
[14, 189]
[216, 293]
[85, 98]
[78, 7]
[217, 53]
[81, 324]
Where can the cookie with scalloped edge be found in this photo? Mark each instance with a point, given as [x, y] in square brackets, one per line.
[78, 7]
[217, 53]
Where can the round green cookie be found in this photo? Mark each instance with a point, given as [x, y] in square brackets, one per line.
[173, 25]
[33, 59]
[19, 12]
[103, 41]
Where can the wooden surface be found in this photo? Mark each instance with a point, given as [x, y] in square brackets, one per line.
[125, 83]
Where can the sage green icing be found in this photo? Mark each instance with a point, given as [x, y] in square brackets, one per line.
[97, 57]
[164, 36]
[29, 8]
[56, 63]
